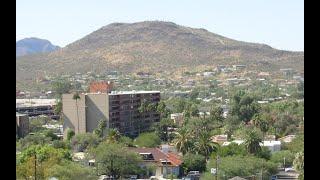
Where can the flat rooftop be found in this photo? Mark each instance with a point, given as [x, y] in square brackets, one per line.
[127, 92]
[20, 114]
[35, 102]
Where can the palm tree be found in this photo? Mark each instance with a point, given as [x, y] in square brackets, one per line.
[204, 145]
[298, 164]
[262, 122]
[113, 135]
[102, 125]
[182, 141]
[252, 141]
[142, 109]
[76, 97]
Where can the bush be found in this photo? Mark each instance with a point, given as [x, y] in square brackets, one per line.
[264, 153]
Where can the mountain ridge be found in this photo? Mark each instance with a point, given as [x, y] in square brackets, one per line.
[154, 46]
[33, 45]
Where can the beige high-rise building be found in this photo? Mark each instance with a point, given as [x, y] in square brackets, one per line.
[119, 109]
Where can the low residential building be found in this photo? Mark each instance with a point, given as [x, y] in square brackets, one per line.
[208, 74]
[220, 138]
[164, 161]
[120, 110]
[287, 138]
[22, 125]
[270, 138]
[239, 67]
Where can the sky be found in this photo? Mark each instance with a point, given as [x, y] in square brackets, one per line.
[278, 23]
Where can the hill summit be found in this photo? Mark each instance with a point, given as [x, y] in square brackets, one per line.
[33, 45]
[154, 46]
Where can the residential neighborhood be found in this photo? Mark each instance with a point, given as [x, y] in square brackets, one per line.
[159, 90]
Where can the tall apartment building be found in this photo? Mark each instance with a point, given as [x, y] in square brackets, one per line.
[22, 125]
[119, 109]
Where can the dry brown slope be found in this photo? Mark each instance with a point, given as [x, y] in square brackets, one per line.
[154, 45]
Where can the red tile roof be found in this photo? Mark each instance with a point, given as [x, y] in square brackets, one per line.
[159, 156]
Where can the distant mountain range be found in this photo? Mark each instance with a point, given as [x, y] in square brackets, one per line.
[154, 46]
[29, 46]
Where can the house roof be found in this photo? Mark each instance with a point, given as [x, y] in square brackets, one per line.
[159, 156]
[237, 178]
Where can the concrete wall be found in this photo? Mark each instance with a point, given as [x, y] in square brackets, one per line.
[70, 115]
[97, 109]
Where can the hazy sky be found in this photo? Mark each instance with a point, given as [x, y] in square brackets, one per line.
[278, 23]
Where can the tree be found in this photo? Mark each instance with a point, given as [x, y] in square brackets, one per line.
[238, 165]
[147, 140]
[278, 157]
[76, 97]
[101, 126]
[162, 109]
[262, 121]
[216, 114]
[179, 105]
[243, 106]
[252, 141]
[204, 145]
[61, 87]
[233, 149]
[50, 134]
[71, 170]
[113, 135]
[232, 123]
[194, 162]
[298, 164]
[58, 107]
[115, 160]
[84, 141]
[37, 123]
[70, 134]
[126, 141]
[41, 158]
[36, 139]
[144, 107]
[296, 145]
[264, 153]
[162, 129]
[183, 140]
[191, 110]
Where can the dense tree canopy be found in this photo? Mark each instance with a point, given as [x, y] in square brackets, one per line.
[115, 160]
[147, 140]
[194, 162]
[242, 166]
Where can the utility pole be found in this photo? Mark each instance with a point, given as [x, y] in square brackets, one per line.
[217, 159]
[35, 167]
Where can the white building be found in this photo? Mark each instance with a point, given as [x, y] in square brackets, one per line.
[272, 145]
